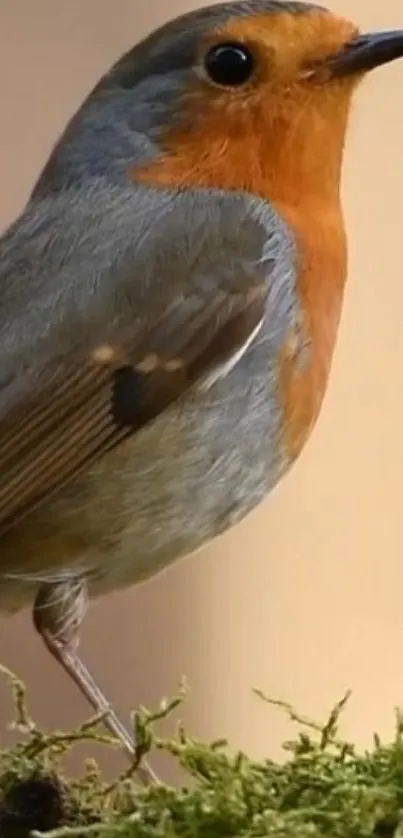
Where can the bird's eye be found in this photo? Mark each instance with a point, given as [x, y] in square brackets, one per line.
[229, 64]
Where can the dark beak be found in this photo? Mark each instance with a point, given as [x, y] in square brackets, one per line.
[365, 53]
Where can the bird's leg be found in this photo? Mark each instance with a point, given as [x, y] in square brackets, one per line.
[58, 612]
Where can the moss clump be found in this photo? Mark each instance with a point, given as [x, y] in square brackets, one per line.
[324, 788]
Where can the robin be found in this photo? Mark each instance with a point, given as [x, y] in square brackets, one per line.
[169, 303]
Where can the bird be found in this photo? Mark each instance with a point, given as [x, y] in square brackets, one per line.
[170, 298]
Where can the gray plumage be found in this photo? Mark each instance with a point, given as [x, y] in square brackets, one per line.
[199, 467]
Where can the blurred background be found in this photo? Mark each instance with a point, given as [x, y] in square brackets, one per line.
[304, 599]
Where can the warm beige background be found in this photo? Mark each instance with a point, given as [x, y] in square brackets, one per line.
[304, 599]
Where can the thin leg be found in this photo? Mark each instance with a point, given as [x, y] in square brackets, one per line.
[58, 612]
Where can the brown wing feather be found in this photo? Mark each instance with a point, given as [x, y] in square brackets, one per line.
[93, 404]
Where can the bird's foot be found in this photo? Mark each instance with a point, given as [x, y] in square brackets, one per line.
[58, 612]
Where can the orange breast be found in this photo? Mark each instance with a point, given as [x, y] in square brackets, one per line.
[322, 255]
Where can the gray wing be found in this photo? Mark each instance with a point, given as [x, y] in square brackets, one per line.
[111, 307]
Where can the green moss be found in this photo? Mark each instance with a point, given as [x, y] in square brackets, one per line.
[324, 788]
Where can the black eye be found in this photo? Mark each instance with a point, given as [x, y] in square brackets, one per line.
[229, 64]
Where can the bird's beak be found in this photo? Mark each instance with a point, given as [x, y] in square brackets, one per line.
[365, 53]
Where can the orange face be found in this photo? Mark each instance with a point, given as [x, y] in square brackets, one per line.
[281, 133]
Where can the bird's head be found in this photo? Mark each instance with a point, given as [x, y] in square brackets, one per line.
[253, 95]
[248, 95]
